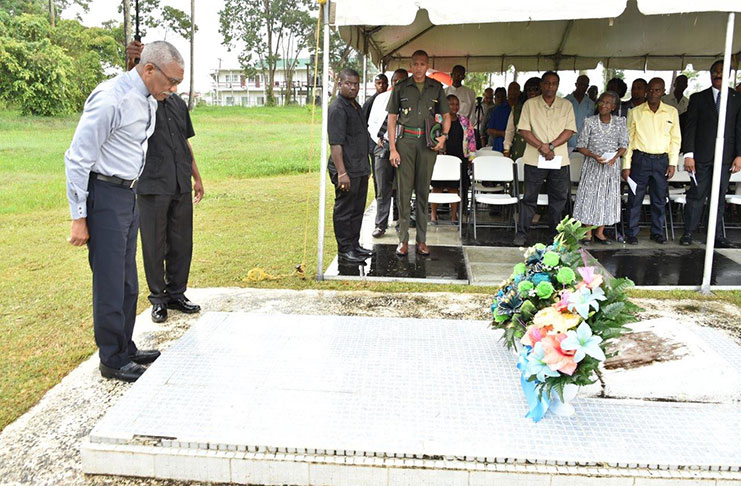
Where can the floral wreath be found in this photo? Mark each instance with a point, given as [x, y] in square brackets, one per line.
[560, 314]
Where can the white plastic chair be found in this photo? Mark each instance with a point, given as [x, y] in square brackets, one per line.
[576, 162]
[493, 169]
[447, 168]
[734, 199]
[677, 195]
[542, 198]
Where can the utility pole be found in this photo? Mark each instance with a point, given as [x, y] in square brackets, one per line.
[218, 99]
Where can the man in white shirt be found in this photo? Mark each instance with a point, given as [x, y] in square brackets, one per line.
[465, 95]
[383, 170]
[583, 107]
[677, 98]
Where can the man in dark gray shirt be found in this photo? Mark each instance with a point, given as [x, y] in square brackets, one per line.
[348, 168]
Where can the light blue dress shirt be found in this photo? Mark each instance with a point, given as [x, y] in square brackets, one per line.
[581, 112]
[111, 137]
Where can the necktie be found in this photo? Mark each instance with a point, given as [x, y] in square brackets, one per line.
[717, 103]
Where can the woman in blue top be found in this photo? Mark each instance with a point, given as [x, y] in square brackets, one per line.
[498, 121]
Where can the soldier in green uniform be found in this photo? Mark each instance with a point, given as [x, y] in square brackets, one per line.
[412, 101]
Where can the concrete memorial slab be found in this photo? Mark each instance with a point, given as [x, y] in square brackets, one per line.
[330, 400]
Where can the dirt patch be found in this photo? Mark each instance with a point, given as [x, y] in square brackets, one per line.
[642, 349]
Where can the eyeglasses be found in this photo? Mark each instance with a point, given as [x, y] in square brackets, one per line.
[173, 81]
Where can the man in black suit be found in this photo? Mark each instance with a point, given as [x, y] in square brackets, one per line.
[163, 194]
[699, 149]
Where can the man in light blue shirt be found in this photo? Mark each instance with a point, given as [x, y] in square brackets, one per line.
[583, 107]
[103, 162]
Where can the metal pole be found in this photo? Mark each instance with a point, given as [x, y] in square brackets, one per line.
[365, 79]
[718, 161]
[323, 161]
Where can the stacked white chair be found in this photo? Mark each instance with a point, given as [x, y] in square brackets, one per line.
[493, 169]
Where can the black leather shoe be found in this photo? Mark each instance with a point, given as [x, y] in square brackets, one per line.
[352, 257]
[660, 239]
[144, 356]
[159, 313]
[601, 241]
[685, 240]
[363, 251]
[632, 240]
[725, 243]
[519, 240]
[129, 372]
[184, 305]
[378, 232]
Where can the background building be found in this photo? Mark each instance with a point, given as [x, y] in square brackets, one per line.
[232, 87]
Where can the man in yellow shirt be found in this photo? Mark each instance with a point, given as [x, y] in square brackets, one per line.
[651, 159]
[546, 123]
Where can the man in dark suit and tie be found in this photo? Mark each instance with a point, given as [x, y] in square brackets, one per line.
[699, 149]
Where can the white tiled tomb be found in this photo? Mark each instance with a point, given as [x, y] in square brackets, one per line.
[292, 399]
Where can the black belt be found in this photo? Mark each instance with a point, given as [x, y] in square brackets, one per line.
[650, 156]
[114, 180]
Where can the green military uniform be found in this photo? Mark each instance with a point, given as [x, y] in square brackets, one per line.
[417, 161]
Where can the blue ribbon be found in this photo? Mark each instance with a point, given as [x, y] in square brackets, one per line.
[537, 406]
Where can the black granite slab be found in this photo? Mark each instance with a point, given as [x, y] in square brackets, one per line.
[667, 266]
[444, 262]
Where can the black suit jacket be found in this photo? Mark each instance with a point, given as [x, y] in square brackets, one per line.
[701, 127]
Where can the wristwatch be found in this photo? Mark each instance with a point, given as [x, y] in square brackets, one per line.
[445, 135]
[551, 146]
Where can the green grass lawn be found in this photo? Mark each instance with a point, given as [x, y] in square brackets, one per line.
[259, 168]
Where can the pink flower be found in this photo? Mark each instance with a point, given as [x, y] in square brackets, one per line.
[589, 278]
[534, 334]
[562, 304]
[556, 358]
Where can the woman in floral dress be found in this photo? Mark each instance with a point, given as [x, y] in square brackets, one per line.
[603, 140]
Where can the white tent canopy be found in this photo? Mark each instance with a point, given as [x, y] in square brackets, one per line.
[486, 35]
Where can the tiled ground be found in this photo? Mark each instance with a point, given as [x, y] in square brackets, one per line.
[395, 387]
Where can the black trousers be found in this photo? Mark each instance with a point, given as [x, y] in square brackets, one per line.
[348, 212]
[383, 176]
[697, 195]
[113, 221]
[648, 173]
[558, 186]
[166, 225]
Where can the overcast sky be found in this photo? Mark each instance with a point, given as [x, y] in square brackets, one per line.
[209, 48]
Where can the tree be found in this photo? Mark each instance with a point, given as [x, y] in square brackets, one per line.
[341, 56]
[478, 82]
[126, 7]
[262, 29]
[47, 71]
[608, 74]
[177, 21]
[300, 35]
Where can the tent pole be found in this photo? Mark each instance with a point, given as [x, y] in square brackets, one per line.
[323, 161]
[718, 160]
[365, 79]
[365, 67]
